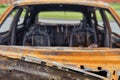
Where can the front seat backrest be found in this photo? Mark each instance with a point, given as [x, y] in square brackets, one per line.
[37, 36]
[82, 36]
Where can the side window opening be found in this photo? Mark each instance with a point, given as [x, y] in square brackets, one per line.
[103, 29]
[21, 24]
[8, 21]
[99, 18]
[22, 17]
[99, 23]
[115, 28]
[21, 21]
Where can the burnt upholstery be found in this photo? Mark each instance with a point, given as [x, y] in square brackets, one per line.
[82, 36]
[36, 36]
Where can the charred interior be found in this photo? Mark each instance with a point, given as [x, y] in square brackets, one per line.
[51, 56]
[35, 32]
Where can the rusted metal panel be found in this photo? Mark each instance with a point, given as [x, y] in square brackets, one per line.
[17, 69]
[97, 59]
[27, 61]
[78, 2]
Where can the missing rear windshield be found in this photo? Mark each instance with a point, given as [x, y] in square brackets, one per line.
[61, 15]
[59, 25]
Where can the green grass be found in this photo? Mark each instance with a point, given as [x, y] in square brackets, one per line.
[3, 7]
[115, 6]
[2, 10]
[61, 15]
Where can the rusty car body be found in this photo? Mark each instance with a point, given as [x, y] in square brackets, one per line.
[34, 49]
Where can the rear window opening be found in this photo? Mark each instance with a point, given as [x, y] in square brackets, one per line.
[61, 15]
[59, 25]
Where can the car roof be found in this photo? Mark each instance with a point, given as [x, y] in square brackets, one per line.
[96, 3]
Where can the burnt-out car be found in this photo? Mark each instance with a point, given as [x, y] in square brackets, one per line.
[24, 25]
[83, 44]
